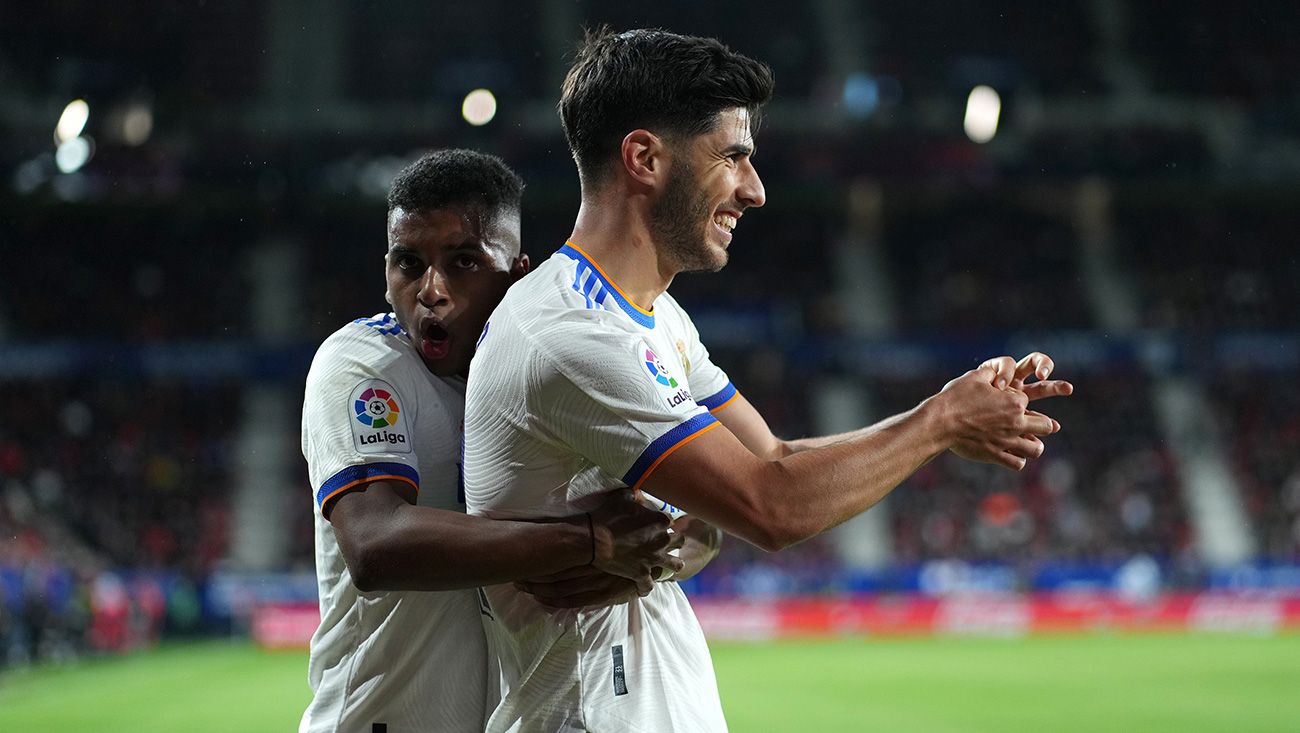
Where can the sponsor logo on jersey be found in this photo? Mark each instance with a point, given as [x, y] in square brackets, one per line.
[378, 425]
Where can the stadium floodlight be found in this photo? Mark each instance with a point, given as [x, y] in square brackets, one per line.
[137, 123]
[479, 107]
[72, 121]
[72, 154]
[983, 108]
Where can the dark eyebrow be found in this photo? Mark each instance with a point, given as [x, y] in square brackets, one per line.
[738, 148]
[474, 246]
[481, 246]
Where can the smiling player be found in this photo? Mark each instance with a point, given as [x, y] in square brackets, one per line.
[591, 378]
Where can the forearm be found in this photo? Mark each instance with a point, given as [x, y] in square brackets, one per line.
[790, 447]
[419, 548]
[773, 504]
[830, 480]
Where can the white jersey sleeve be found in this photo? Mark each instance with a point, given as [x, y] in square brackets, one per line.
[357, 416]
[710, 385]
[611, 397]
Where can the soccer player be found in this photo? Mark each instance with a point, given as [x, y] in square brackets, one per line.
[590, 378]
[400, 646]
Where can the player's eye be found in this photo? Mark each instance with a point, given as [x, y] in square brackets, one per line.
[408, 263]
[465, 262]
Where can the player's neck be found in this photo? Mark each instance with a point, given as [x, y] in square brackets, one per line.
[618, 240]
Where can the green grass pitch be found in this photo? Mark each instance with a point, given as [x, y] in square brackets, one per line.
[1152, 682]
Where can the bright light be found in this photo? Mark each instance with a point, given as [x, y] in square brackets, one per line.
[72, 121]
[137, 124]
[72, 154]
[479, 107]
[983, 107]
[861, 95]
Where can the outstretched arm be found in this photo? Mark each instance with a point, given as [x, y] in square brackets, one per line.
[773, 500]
[749, 427]
[389, 543]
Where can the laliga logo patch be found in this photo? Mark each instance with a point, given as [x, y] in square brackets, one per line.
[654, 366]
[376, 408]
[379, 425]
[657, 370]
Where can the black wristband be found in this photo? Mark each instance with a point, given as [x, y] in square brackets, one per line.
[591, 529]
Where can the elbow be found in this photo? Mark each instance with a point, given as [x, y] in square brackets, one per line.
[775, 539]
[366, 569]
[775, 525]
[364, 577]
[366, 583]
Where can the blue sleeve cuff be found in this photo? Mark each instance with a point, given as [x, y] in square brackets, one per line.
[365, 473]
[666, 444]
[719, 399]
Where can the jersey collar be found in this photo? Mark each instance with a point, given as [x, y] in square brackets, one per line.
[582, 283]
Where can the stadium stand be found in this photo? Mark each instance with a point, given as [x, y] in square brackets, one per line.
[131, 337]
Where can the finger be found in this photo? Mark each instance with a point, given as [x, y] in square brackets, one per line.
[1036, 423]
[651, 539]
[678, 540]
[618, 495]
[1056, 425]
[1004, 368]
[1038, 364]
[1026, 446]
[651, 517]
[1014, 463]
[674, 562]
[1049, 388]
[1006, 460]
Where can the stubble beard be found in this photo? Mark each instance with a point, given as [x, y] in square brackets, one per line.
[679, 220]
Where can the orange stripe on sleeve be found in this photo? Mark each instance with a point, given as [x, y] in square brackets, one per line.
[669, 452]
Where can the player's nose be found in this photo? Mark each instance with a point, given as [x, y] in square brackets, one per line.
[750, 191]
[433, 288]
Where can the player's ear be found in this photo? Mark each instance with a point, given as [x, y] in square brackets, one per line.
[644, 157]
[519, 267]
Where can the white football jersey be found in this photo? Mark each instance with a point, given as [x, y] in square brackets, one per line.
[574, 392]
[409, 660]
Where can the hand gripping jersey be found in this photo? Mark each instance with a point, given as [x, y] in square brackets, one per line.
[413, 661]
[574, 392]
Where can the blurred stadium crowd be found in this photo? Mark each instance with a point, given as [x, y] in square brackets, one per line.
[1136, 211]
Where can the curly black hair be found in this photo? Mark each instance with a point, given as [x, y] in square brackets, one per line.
[456, 176]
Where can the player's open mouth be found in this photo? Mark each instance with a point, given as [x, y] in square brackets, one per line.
[725, 223]
[435, 341]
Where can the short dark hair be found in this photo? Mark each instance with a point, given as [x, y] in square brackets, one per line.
[656, 80]
[456, 176]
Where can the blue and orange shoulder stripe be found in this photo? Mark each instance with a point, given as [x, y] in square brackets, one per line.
[665, 445]
[354, 476]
